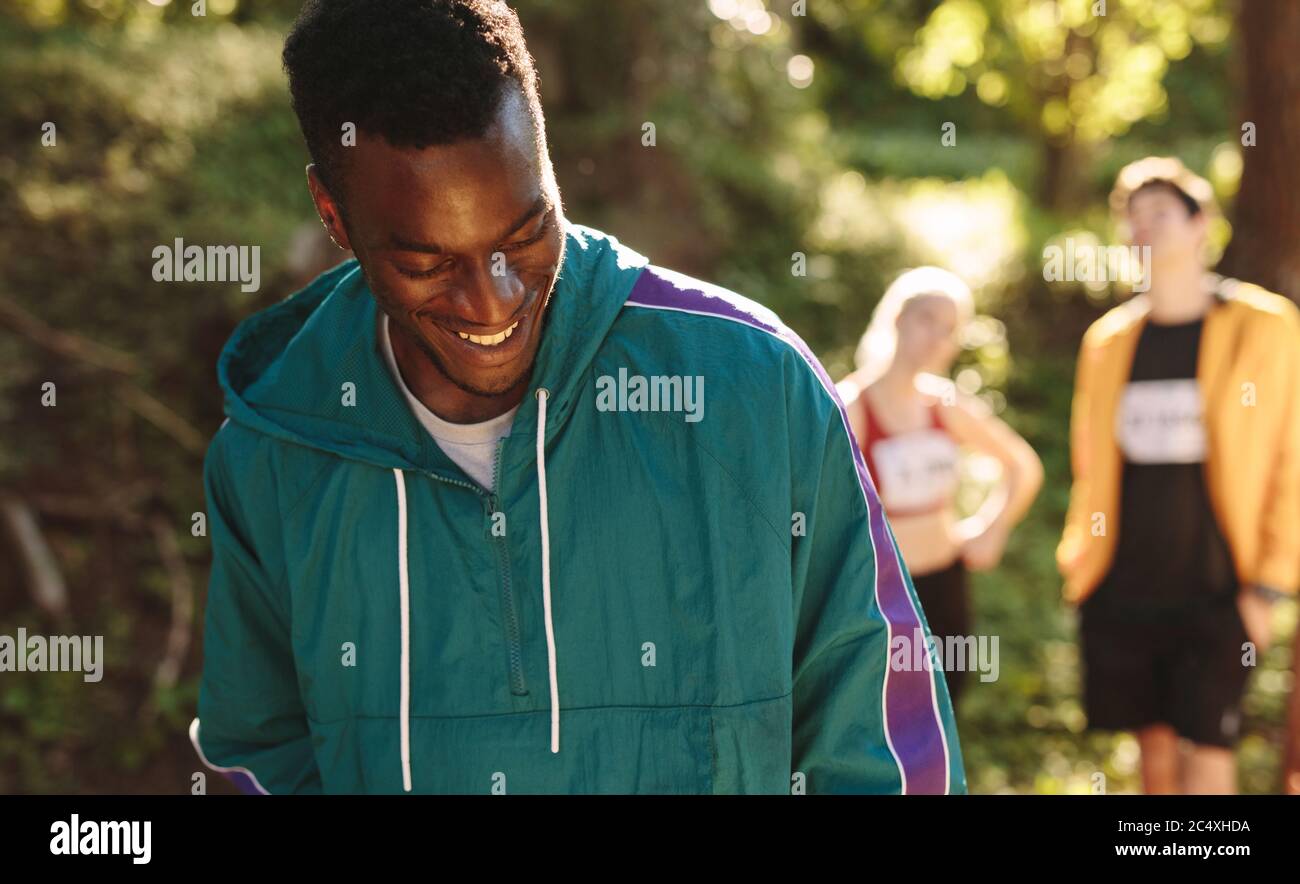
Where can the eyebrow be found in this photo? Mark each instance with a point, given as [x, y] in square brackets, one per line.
[539, 205]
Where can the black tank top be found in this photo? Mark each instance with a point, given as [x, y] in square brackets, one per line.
[1171, 559]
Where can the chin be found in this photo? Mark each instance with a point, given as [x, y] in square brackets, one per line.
[491, 386]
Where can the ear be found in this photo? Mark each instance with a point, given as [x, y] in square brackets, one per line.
[328, 209]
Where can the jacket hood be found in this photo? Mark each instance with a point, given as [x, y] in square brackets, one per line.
[309, 370]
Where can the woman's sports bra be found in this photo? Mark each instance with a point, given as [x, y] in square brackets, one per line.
[915, 472]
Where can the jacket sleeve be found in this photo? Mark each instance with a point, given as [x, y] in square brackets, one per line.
[252, 726]
[1279, 562]
[1077, 520]
[867, 720]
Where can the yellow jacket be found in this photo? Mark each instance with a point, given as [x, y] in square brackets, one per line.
[1249, 373]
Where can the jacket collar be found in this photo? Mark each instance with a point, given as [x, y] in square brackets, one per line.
[310, 369]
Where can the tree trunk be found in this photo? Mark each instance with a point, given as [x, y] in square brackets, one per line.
[1265, 245]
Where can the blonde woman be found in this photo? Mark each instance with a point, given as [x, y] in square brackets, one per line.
[911, 425]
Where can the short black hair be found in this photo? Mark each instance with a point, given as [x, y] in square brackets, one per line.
[417, 73]
[1193, 207]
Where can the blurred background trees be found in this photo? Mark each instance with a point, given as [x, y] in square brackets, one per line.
[781, 129]
[1267, 246]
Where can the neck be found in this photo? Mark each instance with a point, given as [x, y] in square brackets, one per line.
[898, 380]
[1179, 293]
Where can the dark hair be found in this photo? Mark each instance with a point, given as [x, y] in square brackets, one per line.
[417, 73]
[1193, 207]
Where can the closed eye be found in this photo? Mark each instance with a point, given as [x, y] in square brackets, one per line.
[536, 238]
[423, 274]
[507, 247]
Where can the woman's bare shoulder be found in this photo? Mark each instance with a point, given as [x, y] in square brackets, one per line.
[851, 387]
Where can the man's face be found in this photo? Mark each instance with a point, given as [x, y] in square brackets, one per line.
[461, 245]
[1158, 218]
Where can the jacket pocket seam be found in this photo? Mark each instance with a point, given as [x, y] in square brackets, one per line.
[564, 709]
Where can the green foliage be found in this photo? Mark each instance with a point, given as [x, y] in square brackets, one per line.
[170, 134]
[1074, 69]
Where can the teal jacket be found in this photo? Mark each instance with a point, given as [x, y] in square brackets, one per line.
[664, 600]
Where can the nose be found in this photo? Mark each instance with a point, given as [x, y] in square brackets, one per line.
[491, 299]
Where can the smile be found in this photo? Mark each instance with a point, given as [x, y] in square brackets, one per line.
[489, 340]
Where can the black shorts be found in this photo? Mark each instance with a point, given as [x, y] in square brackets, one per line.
[1186, 673]
[946, 603]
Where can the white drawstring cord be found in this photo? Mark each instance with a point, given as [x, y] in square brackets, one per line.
[405, 583]
[405, 591]
[542, 395]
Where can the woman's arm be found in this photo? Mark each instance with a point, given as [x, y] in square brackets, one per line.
[973, 425]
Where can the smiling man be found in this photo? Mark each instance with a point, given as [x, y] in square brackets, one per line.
[445, 559]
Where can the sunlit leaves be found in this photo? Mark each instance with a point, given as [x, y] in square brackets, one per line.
[1066, 72]
[950, 43]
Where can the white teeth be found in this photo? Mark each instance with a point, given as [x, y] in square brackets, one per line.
[489, 340]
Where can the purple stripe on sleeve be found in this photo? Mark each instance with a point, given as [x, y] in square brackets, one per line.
[243, 782]
[241, 777]
[912, 726]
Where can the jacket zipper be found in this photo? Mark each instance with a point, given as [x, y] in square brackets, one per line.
[510, 614]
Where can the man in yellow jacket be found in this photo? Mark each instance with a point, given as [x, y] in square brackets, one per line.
[1184, 516]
